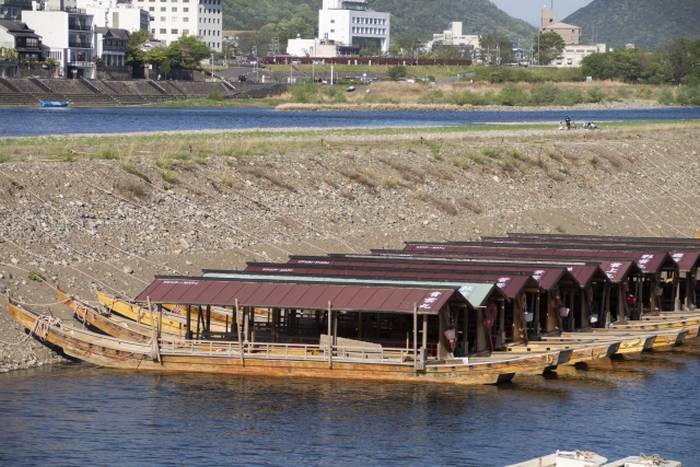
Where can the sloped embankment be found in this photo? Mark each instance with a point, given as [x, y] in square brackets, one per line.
[110, 212]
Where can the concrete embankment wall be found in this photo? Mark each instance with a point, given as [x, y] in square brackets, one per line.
[105, 92]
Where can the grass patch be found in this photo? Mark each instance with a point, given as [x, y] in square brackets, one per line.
[406, 172]
[445, 206]
[35, 276]
[133, 170]
[132, 188]
[107, 155]
[365, 178]
[168, 176]
[594, 161]
[4, 158]
[460, 162]
[491, 153]
[470, 205]
[266, 174]
[391, 182]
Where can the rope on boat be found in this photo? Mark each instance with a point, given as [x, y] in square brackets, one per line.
[40, 329]
[42, 325]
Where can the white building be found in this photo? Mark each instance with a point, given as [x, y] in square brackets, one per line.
[110, 14]
[454, 37]
[575, 53]
[172, 19]
[315, 48]
[352, 23]
[70, 38]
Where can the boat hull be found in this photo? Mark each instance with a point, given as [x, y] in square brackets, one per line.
[206, 357]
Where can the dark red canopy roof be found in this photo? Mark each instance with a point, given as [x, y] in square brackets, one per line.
[510, 284]
[221, 292]
[650, 262]
[685, 253]
[547, 276]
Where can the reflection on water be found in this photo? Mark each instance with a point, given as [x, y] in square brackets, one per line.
[81, 415]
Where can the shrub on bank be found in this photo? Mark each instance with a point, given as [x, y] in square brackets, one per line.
[544, 94]
[688, 95]
[511, 95]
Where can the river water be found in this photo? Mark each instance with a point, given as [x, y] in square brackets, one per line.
[22, 121]
[81, 415]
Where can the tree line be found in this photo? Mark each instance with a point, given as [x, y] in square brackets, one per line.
[186, 53]
[677, 63]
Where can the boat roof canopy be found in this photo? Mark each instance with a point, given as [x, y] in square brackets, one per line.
[475, 293]
[308, 296]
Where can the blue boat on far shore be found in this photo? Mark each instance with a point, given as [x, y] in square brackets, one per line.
[49, 104]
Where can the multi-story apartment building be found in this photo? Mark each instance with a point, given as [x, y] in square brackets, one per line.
[172, 19]
[70, 38]
[352, 23]
[112, 14]
[12, 9]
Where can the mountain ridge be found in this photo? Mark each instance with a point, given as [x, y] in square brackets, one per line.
[648, 24]
[416, 19]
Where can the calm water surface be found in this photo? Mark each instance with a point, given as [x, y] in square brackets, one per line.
[81, 415]
[20, 121]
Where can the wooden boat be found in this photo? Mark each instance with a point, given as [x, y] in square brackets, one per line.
[581, 352]
[550, 358]
[170, 323]
[655, 325]
[267, 359]
[53, 104]
[110, 324]
[664, 339]
[631, 344]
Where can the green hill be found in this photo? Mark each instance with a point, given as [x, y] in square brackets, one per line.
[412, 19]
[649, 24]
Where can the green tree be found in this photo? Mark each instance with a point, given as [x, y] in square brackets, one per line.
[187, 52]
[396, 72]
[683, 56]
[134, 51]
[548, 46]
[496, 48]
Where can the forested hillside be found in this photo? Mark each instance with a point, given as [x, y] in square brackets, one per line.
[412, 20]
[649, 24]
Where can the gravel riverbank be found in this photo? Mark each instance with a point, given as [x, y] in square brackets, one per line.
[84, 220]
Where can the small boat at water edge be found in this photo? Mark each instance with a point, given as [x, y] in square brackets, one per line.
[53, 104]
[270, 359]
[581, 352]
[591, 459]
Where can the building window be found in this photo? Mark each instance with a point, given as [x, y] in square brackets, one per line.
[153, 30]
[332, 30]
[162, 19]
[174, 9]
[163, 8]
[163, 31]
[186, 32]
[151, 8]
[185, 10]
[332, 21]
[173, 31]
[186, 19]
